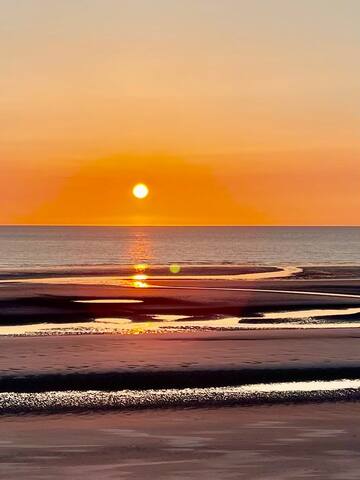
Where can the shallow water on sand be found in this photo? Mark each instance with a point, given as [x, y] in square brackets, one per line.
[161, 323]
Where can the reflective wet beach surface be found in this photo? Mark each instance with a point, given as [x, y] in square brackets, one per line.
[160, 429]
[317, 441]
[142, 302]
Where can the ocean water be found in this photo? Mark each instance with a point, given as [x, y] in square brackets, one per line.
[73, 246]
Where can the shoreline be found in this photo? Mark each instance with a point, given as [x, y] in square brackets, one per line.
[193, 271]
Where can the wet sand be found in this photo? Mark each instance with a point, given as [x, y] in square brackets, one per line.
[181, 359]
[111, 362]
[53, 300]
[319, 441]
[314, 440]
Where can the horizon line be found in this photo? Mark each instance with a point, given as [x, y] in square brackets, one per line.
[178, 225]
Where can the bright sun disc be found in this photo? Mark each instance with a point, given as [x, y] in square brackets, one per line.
[140, 190]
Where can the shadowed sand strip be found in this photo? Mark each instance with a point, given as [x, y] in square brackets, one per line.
[173, 379]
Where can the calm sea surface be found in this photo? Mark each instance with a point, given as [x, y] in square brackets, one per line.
[55, 246]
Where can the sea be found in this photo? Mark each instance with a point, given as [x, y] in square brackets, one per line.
[42, 246]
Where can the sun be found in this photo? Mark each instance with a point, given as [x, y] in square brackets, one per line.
[140, 190]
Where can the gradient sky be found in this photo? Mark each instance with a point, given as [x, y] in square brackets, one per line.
[233, 111]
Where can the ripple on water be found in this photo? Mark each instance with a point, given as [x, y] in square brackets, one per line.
[55, 401]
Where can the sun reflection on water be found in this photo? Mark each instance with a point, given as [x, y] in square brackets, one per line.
[138, 249]
[140, 277]
[141, 267]
[138, 280]
[138, 284]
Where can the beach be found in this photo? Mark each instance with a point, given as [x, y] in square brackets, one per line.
[227, 372]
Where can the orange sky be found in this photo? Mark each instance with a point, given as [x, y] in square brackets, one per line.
[233, 112]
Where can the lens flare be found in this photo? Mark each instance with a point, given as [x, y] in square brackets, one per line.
[174, 268]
